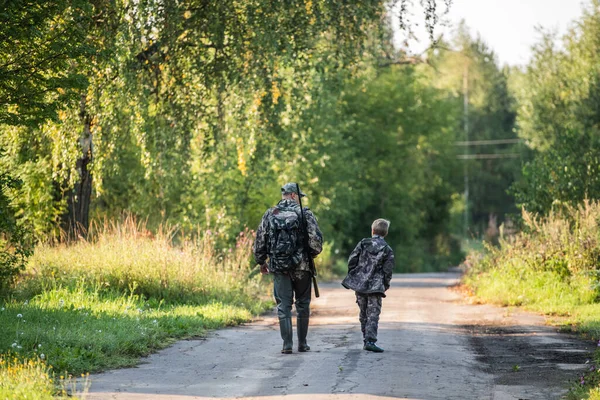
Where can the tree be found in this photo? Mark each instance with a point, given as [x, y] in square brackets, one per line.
[469, 69]
[558, 116]
[185, 112]
[40, 44]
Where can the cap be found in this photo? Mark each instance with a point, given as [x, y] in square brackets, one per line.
[291, 188]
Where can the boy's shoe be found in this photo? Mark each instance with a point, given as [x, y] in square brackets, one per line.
[371, 346]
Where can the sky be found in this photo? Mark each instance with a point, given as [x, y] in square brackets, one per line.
[507, 26]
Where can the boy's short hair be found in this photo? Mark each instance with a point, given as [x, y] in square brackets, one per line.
[380, 227]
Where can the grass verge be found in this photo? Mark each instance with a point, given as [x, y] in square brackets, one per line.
[551, 268]
[103, 304]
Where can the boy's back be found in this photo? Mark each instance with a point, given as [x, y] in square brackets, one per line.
[370, 266]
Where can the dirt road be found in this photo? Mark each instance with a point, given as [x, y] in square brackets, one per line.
[436, 347]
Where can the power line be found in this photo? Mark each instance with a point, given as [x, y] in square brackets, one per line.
[486, 156]
[487, 142]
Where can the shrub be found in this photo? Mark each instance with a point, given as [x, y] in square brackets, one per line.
[14, 248]
[552, 263]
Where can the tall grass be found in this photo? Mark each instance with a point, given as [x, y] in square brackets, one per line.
[552, 266]
[128, 258]
[104, 302]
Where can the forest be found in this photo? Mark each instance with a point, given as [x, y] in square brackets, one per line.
[141, 141]
[191, 115]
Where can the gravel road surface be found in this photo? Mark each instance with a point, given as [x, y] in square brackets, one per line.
[437, 346]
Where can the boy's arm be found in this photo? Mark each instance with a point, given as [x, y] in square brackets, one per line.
[260, 248]
[388, 269]
[354, 256]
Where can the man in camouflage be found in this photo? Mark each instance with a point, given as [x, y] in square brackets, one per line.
[291, 277]
[370, 268]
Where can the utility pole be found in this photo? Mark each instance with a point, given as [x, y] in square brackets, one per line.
[466, 155]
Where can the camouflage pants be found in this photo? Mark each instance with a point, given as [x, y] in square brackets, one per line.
[370, 308]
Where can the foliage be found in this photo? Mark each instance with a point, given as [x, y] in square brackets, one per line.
[558, 115]
[103, 304]
[398, 133]
[469, 69]
[129, 258]
[24, 379]
[551, 267]
[14, 248]
[40, 45]
[565, 173]
[194, 113]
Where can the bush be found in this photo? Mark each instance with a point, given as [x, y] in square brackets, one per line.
[127, 258]
[14, 248]
[552, 265]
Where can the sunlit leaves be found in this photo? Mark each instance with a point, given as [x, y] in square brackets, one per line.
[559, 117]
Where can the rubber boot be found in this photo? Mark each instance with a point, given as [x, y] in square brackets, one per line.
[302, 327]
[285, 328]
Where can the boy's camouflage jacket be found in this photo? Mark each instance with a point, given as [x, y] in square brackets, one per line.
[370, 266]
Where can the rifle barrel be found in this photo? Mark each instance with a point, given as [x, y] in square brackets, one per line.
[311, 262]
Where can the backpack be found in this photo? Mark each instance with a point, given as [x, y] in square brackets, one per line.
[285, 239]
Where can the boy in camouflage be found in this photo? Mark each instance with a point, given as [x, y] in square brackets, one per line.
[370, 268]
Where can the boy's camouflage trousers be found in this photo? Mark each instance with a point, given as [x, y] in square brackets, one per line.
[370, 308]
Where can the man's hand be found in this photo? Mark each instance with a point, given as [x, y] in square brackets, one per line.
[264, 269]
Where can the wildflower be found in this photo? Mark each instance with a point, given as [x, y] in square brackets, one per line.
[43, 356]
[3, 309]
[14, 345]
[582, 381]
[19, 315]
[99, 330]
[26, 302]
[19, 347]
[61, 302]
[155, 322]
[39, 345]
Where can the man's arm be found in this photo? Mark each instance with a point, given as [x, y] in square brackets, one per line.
[388, 268]
[260, 247]
[354, 256]
[315, 237]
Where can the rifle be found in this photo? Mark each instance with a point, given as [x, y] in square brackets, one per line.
[311, 262]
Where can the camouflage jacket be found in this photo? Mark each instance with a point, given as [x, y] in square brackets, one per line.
[370, 266]
[261, 243]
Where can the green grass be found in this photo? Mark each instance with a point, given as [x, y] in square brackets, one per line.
[551, 268]
[102, 304]
[81, 330]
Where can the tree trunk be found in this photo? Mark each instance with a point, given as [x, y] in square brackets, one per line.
[80, 196]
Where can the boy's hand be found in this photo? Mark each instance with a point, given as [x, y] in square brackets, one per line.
[264, 269]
